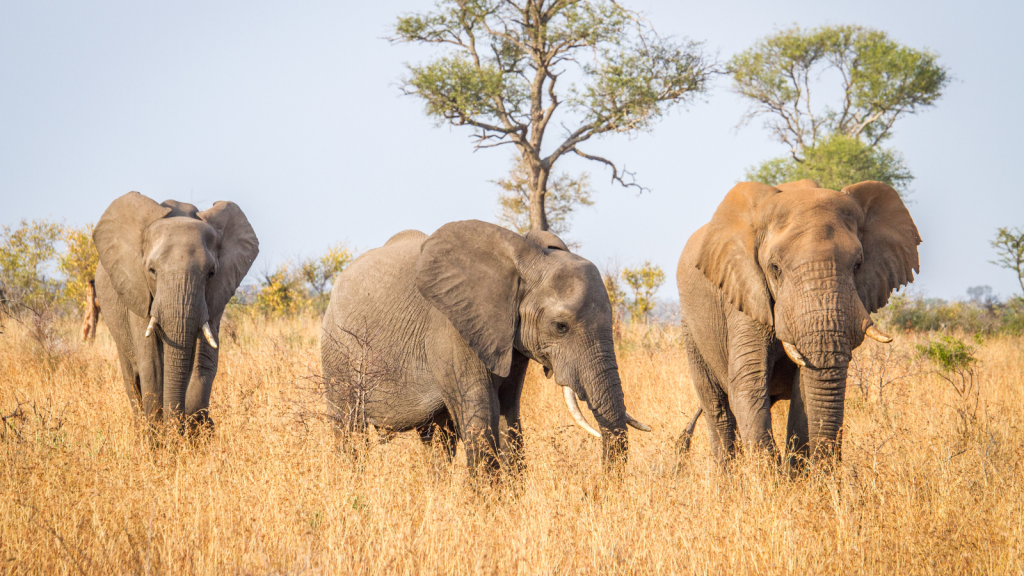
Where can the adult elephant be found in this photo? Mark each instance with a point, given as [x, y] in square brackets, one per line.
[436, 331]
[775, 293]
[165, 274]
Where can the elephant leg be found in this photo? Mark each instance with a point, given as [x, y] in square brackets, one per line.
[150, 369]
[715, 404]
[440, 433]
[510, 427]
[748, 389]
[197, 398]
[477, 415]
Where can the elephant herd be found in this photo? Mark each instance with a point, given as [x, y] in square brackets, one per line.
[435, 333]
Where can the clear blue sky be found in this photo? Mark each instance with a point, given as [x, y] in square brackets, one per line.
[291, 110]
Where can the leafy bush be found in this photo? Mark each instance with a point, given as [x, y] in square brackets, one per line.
[911, 312]
[644, 281]
[292, 288]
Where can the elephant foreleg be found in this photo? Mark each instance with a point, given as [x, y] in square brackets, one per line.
[439, 434]
[510, 427]
[477, 416]
[204, 370]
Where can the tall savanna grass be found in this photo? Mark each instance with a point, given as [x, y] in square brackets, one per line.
[922, 488]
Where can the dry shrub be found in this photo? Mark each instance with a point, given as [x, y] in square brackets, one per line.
[83, 492]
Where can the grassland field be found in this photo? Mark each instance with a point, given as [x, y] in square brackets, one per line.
[932, 482]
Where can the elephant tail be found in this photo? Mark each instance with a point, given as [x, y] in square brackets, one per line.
[683, 444]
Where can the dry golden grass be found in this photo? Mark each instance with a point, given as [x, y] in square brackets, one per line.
[83, 492]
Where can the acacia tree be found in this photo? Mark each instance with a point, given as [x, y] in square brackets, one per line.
[1009, 245]
[503, 76]
[563, 195]
[880, 81]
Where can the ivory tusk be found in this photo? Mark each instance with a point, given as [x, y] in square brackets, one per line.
[637, 424]
[574, 409]
[793, 353]
[209, 335]
[877, 334]
[152, 325]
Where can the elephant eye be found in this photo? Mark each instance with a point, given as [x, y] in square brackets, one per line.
[212, 272]
[776, 271]
[561, 327]
[152, 271]
[857, 265]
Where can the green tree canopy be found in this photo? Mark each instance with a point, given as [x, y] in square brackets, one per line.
[879, 81]
[508, 69]
[837, 162]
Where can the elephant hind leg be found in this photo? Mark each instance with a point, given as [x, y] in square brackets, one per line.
[715, 405]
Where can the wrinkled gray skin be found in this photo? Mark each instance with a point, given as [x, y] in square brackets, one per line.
[442, 329]
[179, 266]
[794, 264]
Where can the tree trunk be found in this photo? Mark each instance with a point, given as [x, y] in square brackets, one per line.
[538, 193]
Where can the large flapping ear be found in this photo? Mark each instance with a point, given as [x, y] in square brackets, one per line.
[547, 240]
[238, 248]
[889, 239]
[118, 238]
[728, 255]
[470, 272]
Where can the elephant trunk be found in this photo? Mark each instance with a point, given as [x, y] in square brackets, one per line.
[605, 399]
[828, 323]
[180, 308]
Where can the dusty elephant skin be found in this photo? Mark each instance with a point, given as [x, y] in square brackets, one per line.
[435, 334]
[775, 293]
[166, 272]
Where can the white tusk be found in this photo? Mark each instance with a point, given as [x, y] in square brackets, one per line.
[152, 324]
[794, 354]
[877, 334]
[574, 409]
[209, 335]
[637, 424]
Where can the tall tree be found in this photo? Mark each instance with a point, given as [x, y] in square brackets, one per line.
[563, 196]
[502, 75]
[879, 81]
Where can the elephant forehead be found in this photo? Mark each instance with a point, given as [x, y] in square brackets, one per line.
[179, 234]
[574, 284]
[814, 212]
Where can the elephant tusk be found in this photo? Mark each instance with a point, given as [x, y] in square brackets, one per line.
[574, 409]
[209, 335]
[152, 325]
[637, 424]
[877, 334]
[793, 353]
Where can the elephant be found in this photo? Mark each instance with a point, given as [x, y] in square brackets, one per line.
[166, 271]
[434, 333]
[775, 293]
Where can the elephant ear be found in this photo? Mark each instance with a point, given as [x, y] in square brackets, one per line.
[546, 240]
[470, 272]
[238, 247]
[118, 238]
[728, 254]
[889, 239]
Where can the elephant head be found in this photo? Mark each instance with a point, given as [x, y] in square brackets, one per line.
[178, 267]
[503, 292]
[812, 264]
